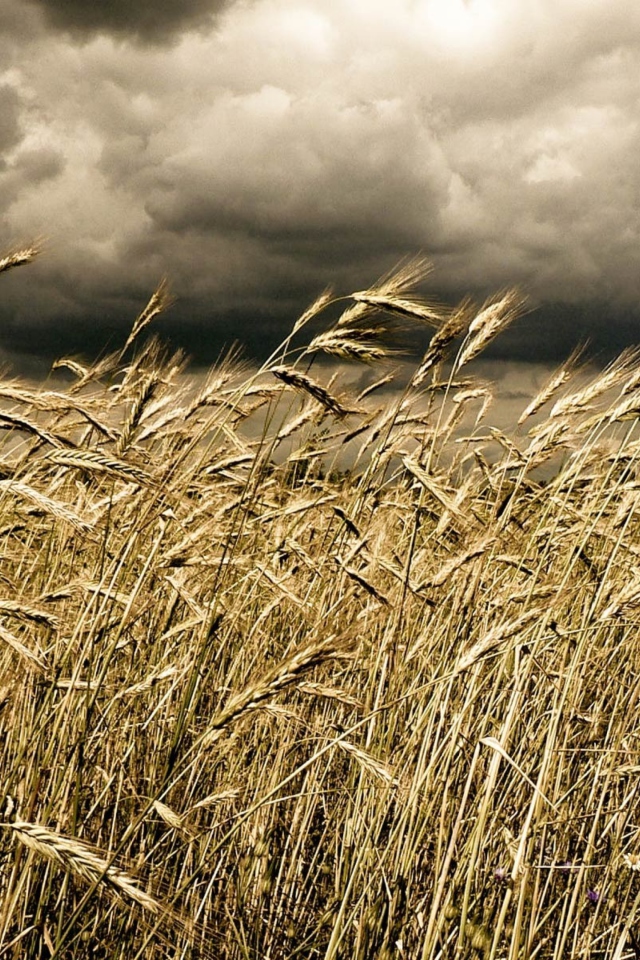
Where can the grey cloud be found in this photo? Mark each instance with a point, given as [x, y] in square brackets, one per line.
[152, 20]
[10, 109]
[27, 170]
[38, 166]
[298, 176]
[302, 144]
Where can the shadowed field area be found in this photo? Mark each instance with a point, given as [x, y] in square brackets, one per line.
[259, 704]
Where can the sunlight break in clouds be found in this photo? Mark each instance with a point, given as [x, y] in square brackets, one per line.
[459, 25]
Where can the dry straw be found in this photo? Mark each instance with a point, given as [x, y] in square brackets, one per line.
[324, 695]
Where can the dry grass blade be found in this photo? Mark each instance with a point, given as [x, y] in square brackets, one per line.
[78, 858]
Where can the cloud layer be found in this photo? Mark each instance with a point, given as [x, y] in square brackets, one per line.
[256, 151]
[144, 20]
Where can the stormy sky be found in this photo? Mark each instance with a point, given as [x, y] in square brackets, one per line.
[255, 151]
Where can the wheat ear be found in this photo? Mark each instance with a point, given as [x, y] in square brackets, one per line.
[77, 857]
[277, 679]
[160, 300]
[19, 257]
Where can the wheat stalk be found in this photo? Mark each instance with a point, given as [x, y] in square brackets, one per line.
[352, 343]
[312, 311]
[369, 763]
[53, 507]
[159, 301]
[411, 309]
[493, 640]
[33, 659]
[329, 693]
[24, 611]
[78, 858]
[557, 380]
[94, 462]
[613, 376]
[450, 330]
[301, 381]
[19, 257]
[273, 682]
[460, 560]
[16, 422]
[492, 318]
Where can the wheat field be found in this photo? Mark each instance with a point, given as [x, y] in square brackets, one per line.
[290, 671]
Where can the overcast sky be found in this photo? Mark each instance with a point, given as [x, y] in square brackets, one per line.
[254, 151]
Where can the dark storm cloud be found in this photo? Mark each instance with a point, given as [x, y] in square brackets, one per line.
[307, 142]
[145, 19]
[10, 133]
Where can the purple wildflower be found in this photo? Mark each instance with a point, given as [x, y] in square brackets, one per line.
[593, 896]
[500, 874]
